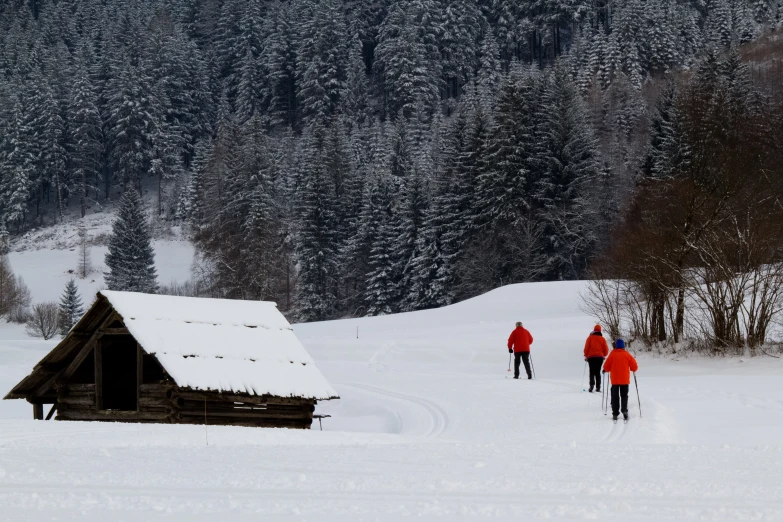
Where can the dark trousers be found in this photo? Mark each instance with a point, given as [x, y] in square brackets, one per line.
[595, 364]
[619, 392]
[525, 356]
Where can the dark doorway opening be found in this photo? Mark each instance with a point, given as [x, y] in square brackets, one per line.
[119, 359]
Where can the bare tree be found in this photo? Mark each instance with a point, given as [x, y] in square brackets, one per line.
[19, 310]
[605, 301]
[14, 294]
[44, 321]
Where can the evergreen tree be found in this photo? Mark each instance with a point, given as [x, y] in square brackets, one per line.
[18, 164]
[489, 72]
[130, 259]
[568, 160]
[354, 100]
[431, 280]
[382, 291]
[278, 61]
[407, 59]
[71, 309]
[315, 298]
[667, 152]
[133, 124]
[322, 57]
[84, 138]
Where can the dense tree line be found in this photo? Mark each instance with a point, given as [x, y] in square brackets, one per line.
[350, 157]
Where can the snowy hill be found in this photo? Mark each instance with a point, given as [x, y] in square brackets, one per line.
[430, 425]
[48, 257]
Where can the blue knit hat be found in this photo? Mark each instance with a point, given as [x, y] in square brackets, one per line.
[619, 343]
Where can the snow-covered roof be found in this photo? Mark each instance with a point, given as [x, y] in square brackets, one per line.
[222, 344]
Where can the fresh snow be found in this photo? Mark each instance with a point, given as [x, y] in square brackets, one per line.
[429, 425]
[222, 344]
[46, 272]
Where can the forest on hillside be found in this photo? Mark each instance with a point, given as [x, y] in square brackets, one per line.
[352, 157]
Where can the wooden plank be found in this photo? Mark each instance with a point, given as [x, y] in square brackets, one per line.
[247, 415]
[87, 400]
[38, 411]
[111, 415]
[51, 412]
[155, 401]
[139, 374]
[115, 331]
[238, 421]
[76, 394]
[79, 388]
[157, 388]
[98, 376]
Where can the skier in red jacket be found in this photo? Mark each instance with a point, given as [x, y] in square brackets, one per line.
[620, 364]
[519, 344]
[595, 351]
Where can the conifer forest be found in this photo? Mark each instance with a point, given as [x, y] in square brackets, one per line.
[366, 157]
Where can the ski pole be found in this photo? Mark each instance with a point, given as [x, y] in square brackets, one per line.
[583, 376]
[509, 361]
[532, 366]
[637, 394]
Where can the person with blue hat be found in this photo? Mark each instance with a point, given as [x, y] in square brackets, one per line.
[620, 364]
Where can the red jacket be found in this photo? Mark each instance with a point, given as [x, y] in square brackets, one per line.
[620, 364]
[520, 339]
[596, 346]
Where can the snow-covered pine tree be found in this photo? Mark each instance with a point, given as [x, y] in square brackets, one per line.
[133, 124]
[354, 100]
[413, 211]
[489, 72]
[430, 275]
[568, 160]
[322, 58]
[315, 247]
[461, 26]
[406, 62]
[71, 308]
[667, 151]
[84, 137]
[382, 284]
[49, 130]
[18, 164]
[248, 80]
[278, 60]
[503, 194]
[130, 259]
[191, 204]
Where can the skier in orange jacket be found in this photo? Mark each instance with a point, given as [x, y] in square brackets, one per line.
[595, 351]
[620, 364]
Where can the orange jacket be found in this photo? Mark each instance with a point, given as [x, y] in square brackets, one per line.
[520, 339]
[596, 346]
[620, 364]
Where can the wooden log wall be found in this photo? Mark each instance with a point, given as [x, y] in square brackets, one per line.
[166, 403]
[195, 407]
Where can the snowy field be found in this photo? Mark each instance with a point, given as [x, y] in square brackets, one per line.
[430, 425]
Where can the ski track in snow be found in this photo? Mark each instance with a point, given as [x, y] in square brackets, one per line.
[438, 417]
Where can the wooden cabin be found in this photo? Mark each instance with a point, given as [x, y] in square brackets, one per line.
[155, 358]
